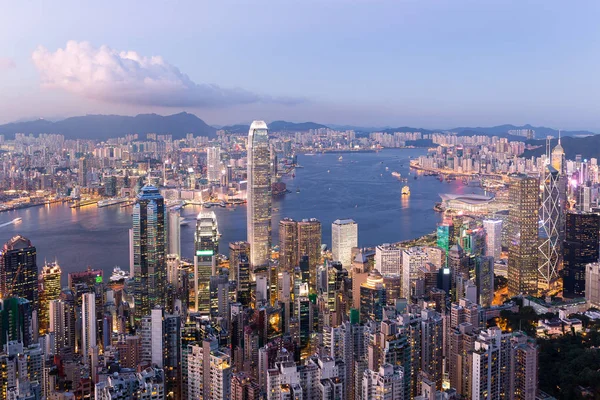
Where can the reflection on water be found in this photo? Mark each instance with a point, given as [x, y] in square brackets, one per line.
[358, 187]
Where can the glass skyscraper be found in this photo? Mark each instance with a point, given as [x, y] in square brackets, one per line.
[259, 195]
[206, 241]
[19, 271]
[149, 262]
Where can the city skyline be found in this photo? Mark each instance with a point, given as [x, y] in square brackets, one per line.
[429, 69]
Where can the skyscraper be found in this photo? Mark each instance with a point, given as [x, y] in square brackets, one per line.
[213, 163]
[18, 270]
[88, 321]
[288, 248]
[580, 248]
[82, 172]
[174, 233]
[372, 297]
[523, 224]
[344, 236]
[49, 289]
[388, 259]
[309, 244]
[493, 239]
[206, 241]
[550, 227]
[149, 259]
[259, 196]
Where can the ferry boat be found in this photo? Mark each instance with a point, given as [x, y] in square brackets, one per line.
[17, 220]
[405, 191]
[118, 275]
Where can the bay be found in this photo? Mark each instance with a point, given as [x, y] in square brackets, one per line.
[359, 187]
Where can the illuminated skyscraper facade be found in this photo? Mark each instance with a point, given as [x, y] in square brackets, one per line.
[580, 248]
[288, 249]
[213, 163]
[551, 218]
[493, 238]
[49, 289]
[149, 261]
[523, 222]
[259, 195]
[344, 236]
[18, 270]
[206, 241]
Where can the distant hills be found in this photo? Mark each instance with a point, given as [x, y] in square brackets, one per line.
[106, 126]
[588, 147]
[502, 131]
[277, 126]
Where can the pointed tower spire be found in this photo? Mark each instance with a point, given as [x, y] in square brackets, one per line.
[559, 136]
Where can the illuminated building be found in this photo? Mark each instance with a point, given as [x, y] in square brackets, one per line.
[89, 277]
[484, 280]
[19, 271]
[372, 297]
[82, 172]
[344, 236]
[288, 250]
[523, 224]
[582, 236]
[388, 259]
[174, 233]
[432, 344]
[243, 387]
[16, 317]
[493, 239]
[88, 321]
[235, 250]
[413, 259]
[149, 258]
[444, 236]
[259, 195]
[213, 163]
[243, 293]
[385, 384]
[220, 376]
[550, 228]
[206, 239]
[592, 284]
[309, 244]
[50, 288]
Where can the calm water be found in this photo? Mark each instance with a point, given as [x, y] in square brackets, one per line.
[358, 187]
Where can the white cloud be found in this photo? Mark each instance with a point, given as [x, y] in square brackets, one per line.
[7, 63]
[130, 78]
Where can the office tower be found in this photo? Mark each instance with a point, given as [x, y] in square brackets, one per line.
[243, 293]
[309, 244]
[484, 280]
[174, 233]
[219, 297]
[149, 260]
[58, 318]
[344, 236]
[523, 225]
[288, 248]
[584, 198]
[18, 270]
[592, 284]
[385, 384]
[493, 239]
[88, 325]
[432, 345]
[558, 158]
[582, 237]
[388, 259]
[550, 227]
[235, 250]
[49, 289]
[372, 297]
[259, 196]
[213, 163]
[82, 172]
[16, 317]
[206, 239]
[445, 233]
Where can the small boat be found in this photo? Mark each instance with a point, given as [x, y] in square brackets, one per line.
[341, 158]
[387, 168]
[396, 174]
[327, 171]
[405, 191]
[298, 190]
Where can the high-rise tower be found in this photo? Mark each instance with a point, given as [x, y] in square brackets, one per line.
[580, 248]
[344, 236]
[550, 226]
[213, 163]
[18, 270]
[174, 232]
[49, 290]
[523, 224]
[259, 195]
[206, 241]
[149, 261]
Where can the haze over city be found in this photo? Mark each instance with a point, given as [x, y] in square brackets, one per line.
[367, 63]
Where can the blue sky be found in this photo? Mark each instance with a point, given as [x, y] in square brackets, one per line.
[372, 63]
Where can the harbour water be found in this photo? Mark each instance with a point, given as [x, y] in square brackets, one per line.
[358, 187]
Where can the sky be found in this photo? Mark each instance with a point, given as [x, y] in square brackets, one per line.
[431, 64]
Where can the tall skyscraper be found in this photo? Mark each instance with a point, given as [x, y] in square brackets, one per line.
[344, 236]
[523, 224]
[372, 297]
[174, 233]
[288, 248]
[19, 271]
[259, 196]
[206, 241]
[236, 249]
[580, 248]
[82, 172]
[49, 289]
[493, 239]
[88, 322]
[149, 259]
[213, 163]
[550, 226]
[309, 244]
